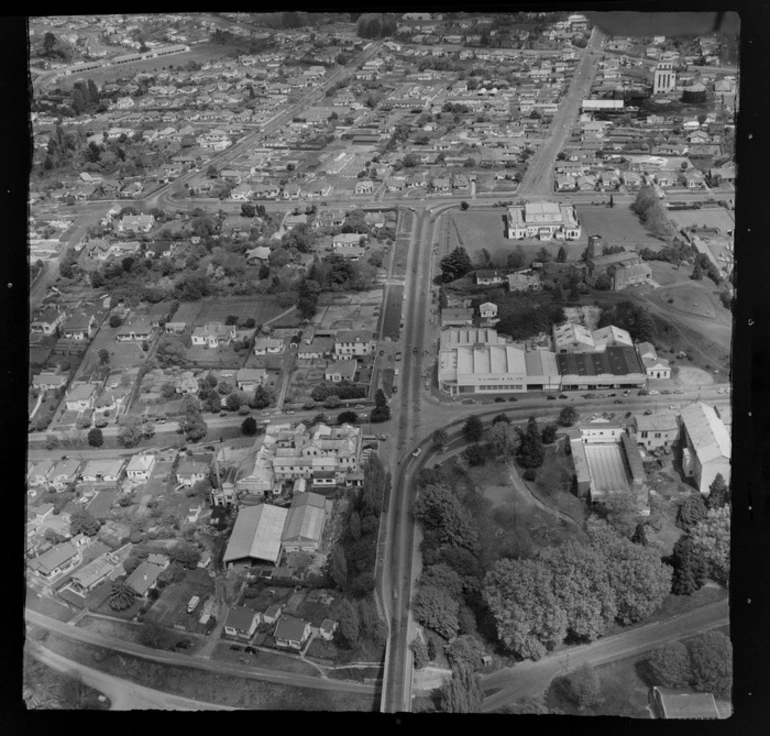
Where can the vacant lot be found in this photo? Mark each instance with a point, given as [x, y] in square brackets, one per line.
[400, 255]
[691, 297]
[391, 317]
[171, 608]
[617, 225]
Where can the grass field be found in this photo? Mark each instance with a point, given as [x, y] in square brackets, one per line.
[691, 298]
[617, 225]
[711, 217]
[391, 316]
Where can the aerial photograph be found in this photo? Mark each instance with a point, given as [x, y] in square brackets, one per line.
[381, 362]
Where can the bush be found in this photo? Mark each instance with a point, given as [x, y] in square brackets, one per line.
[529, 474]
[115, 321]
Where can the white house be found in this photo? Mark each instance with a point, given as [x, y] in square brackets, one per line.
[265, 345]
[139, 467]
[488, 310]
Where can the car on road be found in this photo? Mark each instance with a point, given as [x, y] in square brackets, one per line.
[563, 396]
[499, 400]
[359, 406]
[648, 412]
[653, 392]
[417, 452]
[618, 401]
[589, 396]
[674, 407]
[290, 411]
[489, 402]
[469, 401]
[678, 391]
[551, 397]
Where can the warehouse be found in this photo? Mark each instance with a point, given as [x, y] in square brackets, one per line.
[256, 535]
[616, 367]
[706, 446]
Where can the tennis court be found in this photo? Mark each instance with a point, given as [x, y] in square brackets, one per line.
[605, 464]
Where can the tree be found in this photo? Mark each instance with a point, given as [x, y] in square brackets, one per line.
[249, 426]
[516, 259]
[185, 554]
[95, 437]
[81, 522]
[151, 634]
[690, 569]
[350, 624]
[436, 609]
[473, 429]
[338, 567]
[234, 401]
[73, 692]
[464, 650]
[170, 352]
[719, 494]
[543, 255]
[474, 455]
[462, 692]
[380, 414]
[531, 451]
[548, 434]
[711, 542]
[691, 511]
[354, 521]
[503, 437]
[104, 356]
[380, 399]
[261, 398]
[612, 201]
[438, 508]
[568, 416]
[464, 205]
[670, 665]
[121, 596]
[347, 417]
[584, 686]
[711, 657]
[528, 616]
[248, 210]
[444, 577]
[561, 256]
[440, 439]
[640, 534]
[697, 272]
[130, 432]
[622, 513]
[115, 321]
[456, 264]
[192, 424]
[603, 282]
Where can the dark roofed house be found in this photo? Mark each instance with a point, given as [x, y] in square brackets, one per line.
[291, 632]
[241, 622]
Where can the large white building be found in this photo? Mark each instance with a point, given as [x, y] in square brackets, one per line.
[494, 368]
[665, 78]
[706, 445]
[543, 220]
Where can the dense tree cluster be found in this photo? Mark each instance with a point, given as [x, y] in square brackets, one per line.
[652, 214]
[632, 317]
[455, 265]
[376, 25]
[575, 589]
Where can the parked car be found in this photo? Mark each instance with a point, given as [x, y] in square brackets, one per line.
[618, 401]
[499, 400]
[359, 406]
[236, 648]
[626, 393]
[563, 396]
[611, 396]
[628, 414]
[290, 411]
[250, 650]
[415, 350]
[648, 412]
[512, 398]
[654, 392]
[382, 352]
[589, 396]
[551, 397]
[665, 392]
[469, 401]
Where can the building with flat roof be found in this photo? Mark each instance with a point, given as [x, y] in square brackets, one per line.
[616, 367]
[469, 336]
[706, 445]
[543, 220]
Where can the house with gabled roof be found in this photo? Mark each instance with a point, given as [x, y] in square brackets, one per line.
[305, 523]
[139, 467]
[706, 445]
[241, 623]
[291, 632]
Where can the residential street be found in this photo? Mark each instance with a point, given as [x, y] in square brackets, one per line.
[257, 673]
[532, 678]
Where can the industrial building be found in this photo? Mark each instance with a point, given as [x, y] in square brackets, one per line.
[256, 535]
[616, 367]
[706, 445]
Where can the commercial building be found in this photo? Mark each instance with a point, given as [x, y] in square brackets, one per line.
[656, 430]
[305, 523]
[616, 367]
[664, 80]
[623, 270]
[543, 220]
[706, 445]
[469, 336]
[572, 337]
[256, 535]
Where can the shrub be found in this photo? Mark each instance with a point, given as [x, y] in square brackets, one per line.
[529, 474]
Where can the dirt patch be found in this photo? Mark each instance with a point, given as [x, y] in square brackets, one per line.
[687, 375]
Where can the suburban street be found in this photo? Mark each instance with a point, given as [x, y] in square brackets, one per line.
[532, 678]
[185, 660]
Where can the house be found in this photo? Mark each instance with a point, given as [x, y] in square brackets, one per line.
[669, 703]
[255, 255]
[139, 467]
[291, 191]
[94, 573]
[79, 327]
[354, 343]
[48, 381]
[326, 629]
[364, 186]
[56, 562]
[102, 471]
[341, 370]
[456, 317]
[247, 379]
[272, 614]
[291, 221]
[524, 281]
[488, 310]
[144, 578]
[191, 472]
[305, 522]
[242, 192]
[81, 397]
[265, 345]
[489, 278]
[610, 336]
[175, 328]
[137, 223]
[657, 368]
[64, 473]
[318, 348]
[213, 334]
[47, 320]
[186, 383]
[656, 430]
[291, 632]
[241, 623]
[134, 331]
[706, 445]
[346, 239]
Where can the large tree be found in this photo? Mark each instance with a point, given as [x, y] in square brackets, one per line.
[711, 542]
[503, 438]
[437, 609]
[529, 617]
[440, 438]
[439, 508]
[121, 596]
[444, 577]
[338, 566]
[473, 429]
[691, 511]
[95, 437]
[531, 452]
[456, 264]
[82, 522]
[462, 692]
[690, 569]
[719, 493]
[711, 657]
[584, 686]
[350, 624]
[670, 665]
[464, 650]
